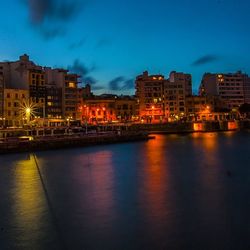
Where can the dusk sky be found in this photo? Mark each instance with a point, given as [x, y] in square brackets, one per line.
[110, 42]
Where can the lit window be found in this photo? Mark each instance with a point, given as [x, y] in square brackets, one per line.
[71, 85]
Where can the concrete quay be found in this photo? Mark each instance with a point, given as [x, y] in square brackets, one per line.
[16, 145]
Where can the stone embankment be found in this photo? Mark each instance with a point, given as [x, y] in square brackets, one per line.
[14, 145]
[190, 127]
[11, 140]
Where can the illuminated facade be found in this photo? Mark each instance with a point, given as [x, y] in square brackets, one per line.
[160, 99]
[70, 96]
[108, 109]
[53, 90]
[176, 89]
[53, 100]
[233, 88]
[14, 99]
[205, 108]
[150, 97]
[125, 109]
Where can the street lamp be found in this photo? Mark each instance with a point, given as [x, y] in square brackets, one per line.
[27, 110]
[27, 114]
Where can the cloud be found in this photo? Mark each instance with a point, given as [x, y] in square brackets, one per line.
[129, 84]
[121, 83]
[90, 80]
[116, 83]
[48, 16]
[205, 60]
[80, 68]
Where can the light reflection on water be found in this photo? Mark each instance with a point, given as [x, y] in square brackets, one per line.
[155, 187]
[27, 222]
[173, 192]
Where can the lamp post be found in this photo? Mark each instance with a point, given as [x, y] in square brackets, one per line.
[27, 110]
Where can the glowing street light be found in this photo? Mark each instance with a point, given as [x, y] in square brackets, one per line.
[27, 110]
[27, 114]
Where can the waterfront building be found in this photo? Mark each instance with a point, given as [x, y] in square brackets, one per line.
[26, 75]
[14, 105]
[176, 89]
[108, 108]
[53, 100]
[54, 91]
[125, 108]
[99, 110]
[160, 99]
[17, 73]
[207, 107]
[65, 85]
[150, 97]
[233, 88]
[37, 90]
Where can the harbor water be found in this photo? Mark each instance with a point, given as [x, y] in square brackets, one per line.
[173, 192]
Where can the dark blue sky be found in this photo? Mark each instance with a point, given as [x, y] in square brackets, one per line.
[113, 41]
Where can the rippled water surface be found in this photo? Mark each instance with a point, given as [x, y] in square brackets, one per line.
[173, 192]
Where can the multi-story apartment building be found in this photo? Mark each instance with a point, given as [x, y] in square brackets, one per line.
[66, 85]
[205, 107]
[176, 89]
[233, 88]
[17, 73]
[53, 100]
[125, 108]
[70, 96]
[161, 99]
[37, 89]
[54, 91]
[150, 97]
[15, 101]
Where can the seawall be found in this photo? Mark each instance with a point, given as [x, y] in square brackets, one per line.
[53, 142]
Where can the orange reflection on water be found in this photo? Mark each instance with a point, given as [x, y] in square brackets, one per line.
[208, 158]
[209, 141]
[156, 181]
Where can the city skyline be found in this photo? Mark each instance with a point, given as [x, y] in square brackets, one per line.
[124, 39]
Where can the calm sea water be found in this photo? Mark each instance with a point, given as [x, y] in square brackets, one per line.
[174, 192]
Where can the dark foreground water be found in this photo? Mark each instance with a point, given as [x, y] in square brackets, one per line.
[174, 192]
